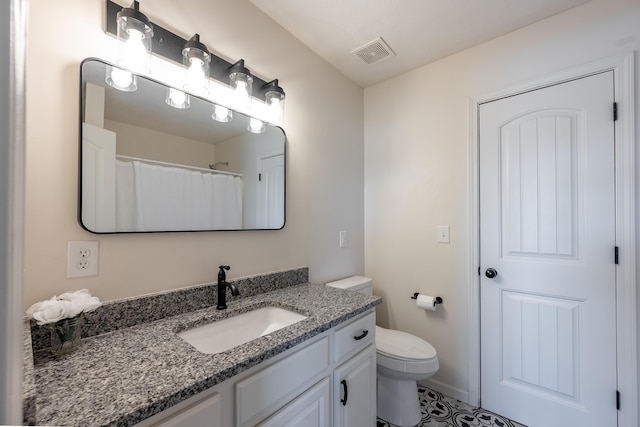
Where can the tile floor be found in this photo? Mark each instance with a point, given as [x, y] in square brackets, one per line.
[439, 410]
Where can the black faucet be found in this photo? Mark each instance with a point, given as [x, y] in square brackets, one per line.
[222, 288]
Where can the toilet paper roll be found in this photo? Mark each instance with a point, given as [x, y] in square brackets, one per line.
[426, 302]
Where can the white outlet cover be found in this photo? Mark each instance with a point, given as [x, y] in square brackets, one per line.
[443, 234]
[82, 258]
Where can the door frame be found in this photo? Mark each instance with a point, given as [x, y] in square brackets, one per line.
[626, 327]
[13, 49]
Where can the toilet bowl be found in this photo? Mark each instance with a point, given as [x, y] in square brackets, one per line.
[402, 359]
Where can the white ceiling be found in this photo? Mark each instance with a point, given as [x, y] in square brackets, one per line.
[418, 31]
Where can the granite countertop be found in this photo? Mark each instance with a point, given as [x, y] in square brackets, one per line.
[124, 376]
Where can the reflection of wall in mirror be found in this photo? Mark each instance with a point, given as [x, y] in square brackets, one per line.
[136, 141]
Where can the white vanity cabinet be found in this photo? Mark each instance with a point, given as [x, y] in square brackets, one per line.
[354, 379]
[303, 387]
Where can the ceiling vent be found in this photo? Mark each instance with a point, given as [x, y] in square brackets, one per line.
[374, 51]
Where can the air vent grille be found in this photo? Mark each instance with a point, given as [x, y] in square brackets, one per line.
[375, 51]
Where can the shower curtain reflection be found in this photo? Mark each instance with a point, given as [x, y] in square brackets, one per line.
[155, 198]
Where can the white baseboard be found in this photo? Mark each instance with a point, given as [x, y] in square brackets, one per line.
[447, 389]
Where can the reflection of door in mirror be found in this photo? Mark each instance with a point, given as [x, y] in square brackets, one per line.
[270, 205]
[146, 165]
[98, 178]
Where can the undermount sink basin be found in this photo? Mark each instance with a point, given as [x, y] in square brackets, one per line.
[221, 335]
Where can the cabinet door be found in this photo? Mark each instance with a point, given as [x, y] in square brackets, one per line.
[354, 391]
[311, 409]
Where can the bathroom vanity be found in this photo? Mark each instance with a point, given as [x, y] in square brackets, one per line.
[294, 388]
[318, 371]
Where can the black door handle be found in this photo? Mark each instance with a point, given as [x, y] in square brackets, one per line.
[491, 273]
[364, 334]
[345, 391]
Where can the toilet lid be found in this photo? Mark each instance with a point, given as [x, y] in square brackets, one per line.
[403, 345]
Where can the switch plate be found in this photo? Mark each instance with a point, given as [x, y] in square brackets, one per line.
[82, 258]
[344, 239]
[443, 234]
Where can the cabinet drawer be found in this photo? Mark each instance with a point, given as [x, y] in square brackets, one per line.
[354, 336]
[266, 391]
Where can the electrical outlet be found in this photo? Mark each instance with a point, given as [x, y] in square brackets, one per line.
[443, 234]
[82, 258]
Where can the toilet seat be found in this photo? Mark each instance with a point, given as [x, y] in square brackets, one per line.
[401, 345]
[402, 352]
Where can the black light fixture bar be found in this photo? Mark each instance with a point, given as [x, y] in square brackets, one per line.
[169, 46]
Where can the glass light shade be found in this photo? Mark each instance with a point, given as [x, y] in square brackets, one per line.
[177, 99]
[241, 84]
[275, 101]
[135, 33]
[222, 114]
[255, 125]
[197, 59]
[121, 79]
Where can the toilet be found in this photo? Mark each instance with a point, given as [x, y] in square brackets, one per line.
[402, 360]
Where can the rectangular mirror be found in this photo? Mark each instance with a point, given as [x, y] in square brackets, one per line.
[147, 166]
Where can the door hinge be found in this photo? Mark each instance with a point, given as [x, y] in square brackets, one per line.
[616, 255]
[618, 400]
[259, 177]
[478, 271]
[615, 111]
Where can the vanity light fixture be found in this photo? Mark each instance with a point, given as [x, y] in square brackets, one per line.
[241, 84]
[255, 125]
[274, 96]
[135, 33]
[130, 25]
[177, 99]
[197, 59]
[221, 114]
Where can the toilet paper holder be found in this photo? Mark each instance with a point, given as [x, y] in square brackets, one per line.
[437, 301]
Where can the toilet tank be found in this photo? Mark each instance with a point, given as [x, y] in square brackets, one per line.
[361, 284]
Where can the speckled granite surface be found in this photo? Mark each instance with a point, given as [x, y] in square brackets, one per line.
[114, 315]
[28, 380]
[125, 376]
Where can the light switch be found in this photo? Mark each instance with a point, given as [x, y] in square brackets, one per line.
[344, 239]
[443, 234]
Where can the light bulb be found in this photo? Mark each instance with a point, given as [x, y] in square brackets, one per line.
[255, 125]
[121, 78]
[134, 52]
[196, 78]
[221, 114]
[241, 94]
[177, 99]
[275, 111]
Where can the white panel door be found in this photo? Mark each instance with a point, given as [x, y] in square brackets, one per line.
[547, 224]
[270, 206]
[98, 179]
